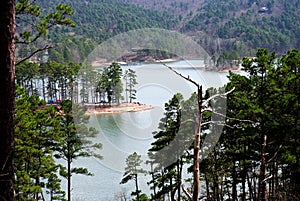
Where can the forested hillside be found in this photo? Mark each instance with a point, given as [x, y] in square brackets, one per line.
[98, 20]
[238, 26]
[245, 22]
[177, 7]
[226, 29]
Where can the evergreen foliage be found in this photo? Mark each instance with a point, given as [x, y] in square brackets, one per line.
[132, 169]
[130, 82]
[167, 152]
[97, 21]
[35, 143]
[74, 140]
[240, 26]
[44, 133]
[255, 155]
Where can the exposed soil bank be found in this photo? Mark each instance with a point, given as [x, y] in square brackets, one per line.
[123, 107]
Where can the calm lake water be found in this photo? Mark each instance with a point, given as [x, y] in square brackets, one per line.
[123, 134]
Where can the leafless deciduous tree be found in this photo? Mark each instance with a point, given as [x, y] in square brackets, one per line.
[197, 134]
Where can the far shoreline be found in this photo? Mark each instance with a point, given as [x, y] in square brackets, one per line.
[102, 63]
[94, 109]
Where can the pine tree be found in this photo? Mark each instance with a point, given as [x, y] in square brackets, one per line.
[132, 169]
[112, 83]
[130, 82]
[167, 152]
[35, 142]
[268, 97]
[75, 140]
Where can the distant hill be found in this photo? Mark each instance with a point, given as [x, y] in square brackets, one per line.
[227, 29]
[181, 8]
[239, 26]
[185, 10]
[97, 21]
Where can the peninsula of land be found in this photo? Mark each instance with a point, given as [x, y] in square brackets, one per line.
[97, 109]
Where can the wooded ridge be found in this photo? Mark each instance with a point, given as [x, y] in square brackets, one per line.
[235, 26]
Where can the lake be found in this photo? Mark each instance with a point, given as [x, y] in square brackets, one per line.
[123, 134]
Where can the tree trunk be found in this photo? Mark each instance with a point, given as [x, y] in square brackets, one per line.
[179, 175]
[234, 182]
[207, 187]
[216, 187]
[126, 90]
[172, 191]
[137, 188]
[244, 173]
[196, 165]
[69, 161]
[251, 196]
[262, 172]
[153, 179]
[43, 88]
[7, 97]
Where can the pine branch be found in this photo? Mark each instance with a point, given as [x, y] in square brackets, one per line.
[33, 53]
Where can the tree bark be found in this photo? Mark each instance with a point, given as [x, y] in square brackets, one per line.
[234, 182]
[7, 96]
[69, 161]
[137, 188]
[196, 165]
[207, 187]
[262, 172]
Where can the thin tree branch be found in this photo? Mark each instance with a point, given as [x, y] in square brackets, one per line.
[267, 178]
[25, 21]
[275, 154]
[217, 95]
[187, 121]
[220, 124]
[231, 127]
[32, 41]
[207, 110]
[206, 123]
[39, 33]
[188, 194]
[33, 53]
[233, 119]
[179, 74]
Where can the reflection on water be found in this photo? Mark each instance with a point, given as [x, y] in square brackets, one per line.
[122, 134]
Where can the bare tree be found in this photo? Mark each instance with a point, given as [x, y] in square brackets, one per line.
[197, 134]
[7, 91]
[196, 158]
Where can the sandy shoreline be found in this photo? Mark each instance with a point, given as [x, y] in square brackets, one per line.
[123, 107]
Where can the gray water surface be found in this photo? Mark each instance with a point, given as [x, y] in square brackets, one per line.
[123, 134]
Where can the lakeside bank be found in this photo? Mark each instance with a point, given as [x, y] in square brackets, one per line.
[96, 109]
